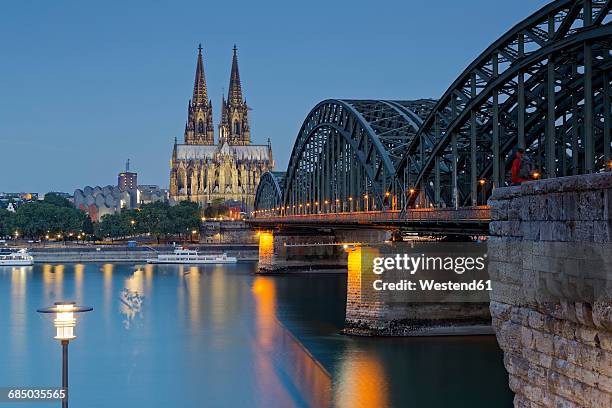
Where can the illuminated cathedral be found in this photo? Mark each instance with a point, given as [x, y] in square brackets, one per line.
[202, 170]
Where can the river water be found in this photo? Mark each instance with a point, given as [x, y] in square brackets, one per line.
[220, 336]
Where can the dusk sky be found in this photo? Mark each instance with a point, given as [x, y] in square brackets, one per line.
[86, 85]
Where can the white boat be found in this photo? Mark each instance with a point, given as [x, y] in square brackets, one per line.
[191, 256]
[13, 257]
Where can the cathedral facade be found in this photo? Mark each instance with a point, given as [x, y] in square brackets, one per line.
[202, 170]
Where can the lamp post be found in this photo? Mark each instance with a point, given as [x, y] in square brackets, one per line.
[64, 323]
[482, 183]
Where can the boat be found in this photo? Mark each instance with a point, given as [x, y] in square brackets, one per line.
[14, 257]
[191, 256]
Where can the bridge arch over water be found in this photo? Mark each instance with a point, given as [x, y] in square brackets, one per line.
[543, 86]
[345, 156]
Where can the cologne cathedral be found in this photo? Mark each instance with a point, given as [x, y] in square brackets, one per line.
[202, 170]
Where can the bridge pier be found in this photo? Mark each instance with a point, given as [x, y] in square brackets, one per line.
[368, 314]
[319, 250]
[549, 259]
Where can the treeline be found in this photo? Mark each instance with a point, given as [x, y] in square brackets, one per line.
[56, 218]
[51, 217]
[158, 219]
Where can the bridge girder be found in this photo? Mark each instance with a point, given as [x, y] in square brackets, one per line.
[546, 78]
[543, 86]
[346, 153]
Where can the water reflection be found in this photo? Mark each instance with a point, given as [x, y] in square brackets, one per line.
[221, 336]
[192, 281]
[279, 354]
[362, 382]
[53, 279]
[132, 297]
[18, 312]
[78, 282]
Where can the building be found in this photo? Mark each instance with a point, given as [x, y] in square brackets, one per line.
[98, 201]
[202, 170]
[14, 200]
[148, 193]
[127, 180]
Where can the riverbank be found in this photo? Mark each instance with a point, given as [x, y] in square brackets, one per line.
[122, 253]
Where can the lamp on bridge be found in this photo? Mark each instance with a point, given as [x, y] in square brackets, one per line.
[535, 175]
[65, 322]
[482, 183]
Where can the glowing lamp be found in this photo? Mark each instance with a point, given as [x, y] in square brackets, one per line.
[535, 175]
[65, 320]
[482, 182]
[411, 190]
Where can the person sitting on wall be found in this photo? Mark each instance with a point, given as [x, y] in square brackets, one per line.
[522, 167]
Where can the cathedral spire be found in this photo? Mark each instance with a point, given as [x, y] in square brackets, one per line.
[199, 85]
[234, 94]
[199, 127]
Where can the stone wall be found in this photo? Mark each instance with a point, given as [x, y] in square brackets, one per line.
[550, 262]
[227, 232]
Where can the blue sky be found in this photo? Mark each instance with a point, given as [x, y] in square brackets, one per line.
[86, 85]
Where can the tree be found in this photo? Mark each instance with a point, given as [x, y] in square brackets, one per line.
[185, 217]
[37, 219]
[88, 227]
[7, 223]
[159, 219]
[57, 200]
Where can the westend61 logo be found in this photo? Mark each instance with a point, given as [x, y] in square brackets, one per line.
[426, 272]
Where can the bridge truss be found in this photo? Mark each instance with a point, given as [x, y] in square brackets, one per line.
[543, 86]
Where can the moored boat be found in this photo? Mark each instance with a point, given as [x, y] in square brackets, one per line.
[14, 257]
[191, 256]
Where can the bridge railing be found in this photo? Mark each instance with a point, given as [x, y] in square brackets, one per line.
[463, 214]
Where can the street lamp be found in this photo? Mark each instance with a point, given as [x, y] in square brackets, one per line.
[482, 183]
[64, 323]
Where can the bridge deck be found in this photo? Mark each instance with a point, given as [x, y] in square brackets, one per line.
[462, 220]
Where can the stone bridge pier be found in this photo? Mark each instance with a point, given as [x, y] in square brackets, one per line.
[319, 250]
[550, 260]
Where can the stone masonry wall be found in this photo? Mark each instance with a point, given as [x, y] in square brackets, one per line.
[551, 267]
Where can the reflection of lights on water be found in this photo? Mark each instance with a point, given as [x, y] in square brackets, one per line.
[362, 382]
[192, 281]
[131, 298]
[18, 310]
[78, 281]
[275, 345]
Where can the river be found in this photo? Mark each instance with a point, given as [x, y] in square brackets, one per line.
[221, 336]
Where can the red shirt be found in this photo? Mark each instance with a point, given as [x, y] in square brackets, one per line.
[516, 165]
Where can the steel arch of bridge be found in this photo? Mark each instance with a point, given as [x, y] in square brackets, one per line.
[543, 86]
[269, 192]
[345, 156]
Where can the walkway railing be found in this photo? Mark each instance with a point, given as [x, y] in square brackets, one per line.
[429, 215]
